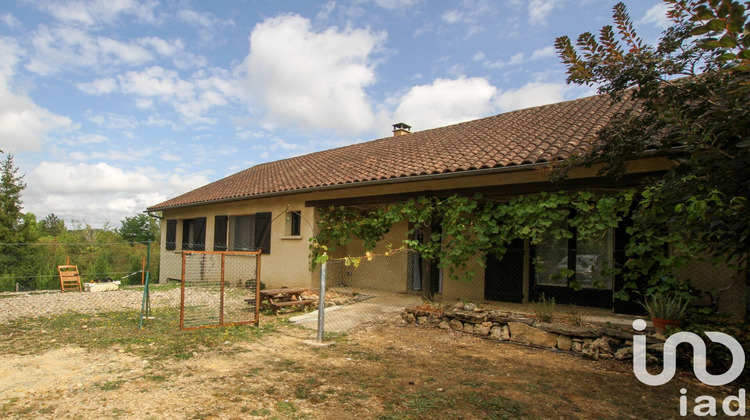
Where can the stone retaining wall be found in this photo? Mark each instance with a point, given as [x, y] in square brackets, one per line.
[590, 341]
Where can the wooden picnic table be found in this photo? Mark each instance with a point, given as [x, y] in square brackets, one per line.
[276, 299]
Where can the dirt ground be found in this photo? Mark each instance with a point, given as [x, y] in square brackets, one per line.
[390, 371]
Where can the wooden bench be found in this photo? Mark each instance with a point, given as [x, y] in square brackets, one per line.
[276, 299]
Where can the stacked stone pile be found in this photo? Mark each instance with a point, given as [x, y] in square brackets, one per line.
[594, 342]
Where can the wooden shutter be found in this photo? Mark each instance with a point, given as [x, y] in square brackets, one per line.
[262, 239]
[171, 234]
[220, 233]
[200, 234]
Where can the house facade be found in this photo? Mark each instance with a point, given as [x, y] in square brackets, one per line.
[274, 206]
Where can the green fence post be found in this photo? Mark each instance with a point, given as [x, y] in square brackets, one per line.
[146, 304]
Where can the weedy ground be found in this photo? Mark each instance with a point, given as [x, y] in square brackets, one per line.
[101, 366]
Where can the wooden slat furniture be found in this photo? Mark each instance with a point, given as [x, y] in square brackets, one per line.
[69, 277]
[276, 299]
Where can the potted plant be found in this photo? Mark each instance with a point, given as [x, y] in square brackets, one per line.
[665, 309]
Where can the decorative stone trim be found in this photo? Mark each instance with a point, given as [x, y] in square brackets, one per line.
[593, 342]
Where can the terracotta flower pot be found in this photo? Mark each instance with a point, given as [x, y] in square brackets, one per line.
[660, 325]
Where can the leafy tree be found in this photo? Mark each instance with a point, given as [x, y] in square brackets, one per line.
[691, 94]
[11, 186]
[139, 228]
[52, 225]
[15, 226]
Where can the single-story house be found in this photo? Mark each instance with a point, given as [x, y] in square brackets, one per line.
[273, 206]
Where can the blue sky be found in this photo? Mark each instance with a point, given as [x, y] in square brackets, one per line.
[110, 106]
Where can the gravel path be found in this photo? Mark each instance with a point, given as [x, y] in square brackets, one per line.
[28, 305]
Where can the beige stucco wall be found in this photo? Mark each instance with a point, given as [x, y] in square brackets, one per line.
[288, 264]
[381, 272]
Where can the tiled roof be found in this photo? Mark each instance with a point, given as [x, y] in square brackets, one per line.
[527, 136]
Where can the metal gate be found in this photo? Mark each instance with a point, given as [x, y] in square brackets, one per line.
[219, 289]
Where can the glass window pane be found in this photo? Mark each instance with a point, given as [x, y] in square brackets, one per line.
[592, 257]
[551, 258]
[242, 233]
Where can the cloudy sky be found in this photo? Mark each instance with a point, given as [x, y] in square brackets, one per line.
[110, 106]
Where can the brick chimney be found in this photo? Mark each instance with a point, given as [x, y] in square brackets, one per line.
[400, 129]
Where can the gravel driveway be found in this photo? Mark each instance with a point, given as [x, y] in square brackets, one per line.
[27, 305]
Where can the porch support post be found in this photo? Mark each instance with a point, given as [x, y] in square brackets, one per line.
[427, 267]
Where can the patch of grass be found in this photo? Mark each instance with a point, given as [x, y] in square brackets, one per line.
[160, 338]
[261, 412]
[496, 407]
[545, 308]
[421, 403]
[286, 408]
[109, 386]
[156, 378]
[301, 392]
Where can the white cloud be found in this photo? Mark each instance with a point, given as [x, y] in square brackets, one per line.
[98, 86]
[95, 12]
[64, 47]
[209, 25]
[111, 120]
[185, 183]
[61, 48]
[84, 179]
[90, 139]
[10, 21]
[657, 15]
[516, 59]
[539, 10]
[531, 94]
[446, 101]
[311, 79]
[23, 124]
[79, 156]
[168, 157]
[396, 4]
[144, 103]
[98, 193]
[190, 98]
[452, 16]
[548, 51]
[156, 82]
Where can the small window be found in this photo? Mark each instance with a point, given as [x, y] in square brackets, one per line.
[250, 233]
[294, 222]
[171, 235]
[242, 233]
[194, 234]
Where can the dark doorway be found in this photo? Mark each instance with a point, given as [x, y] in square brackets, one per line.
[503, 278]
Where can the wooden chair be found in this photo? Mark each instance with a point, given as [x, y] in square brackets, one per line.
[70, 279]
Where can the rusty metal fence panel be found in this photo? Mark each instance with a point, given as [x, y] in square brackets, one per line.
[219, 289]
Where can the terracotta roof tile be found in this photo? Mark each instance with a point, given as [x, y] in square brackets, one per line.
[527, 136]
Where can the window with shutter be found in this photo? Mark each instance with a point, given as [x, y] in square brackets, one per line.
[194, 234]
[220, 233]
[171, 235]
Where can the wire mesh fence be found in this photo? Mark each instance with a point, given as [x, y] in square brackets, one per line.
[111, 274]
[368, 292]
[34, 266]
[219, 288]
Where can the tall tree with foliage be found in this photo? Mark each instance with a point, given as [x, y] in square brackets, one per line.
[11, 186]
[52, 225]
[139, 228]
[15, 226]
[691, 95]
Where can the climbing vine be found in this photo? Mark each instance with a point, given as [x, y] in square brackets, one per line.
[472, 226]
[476, 226]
